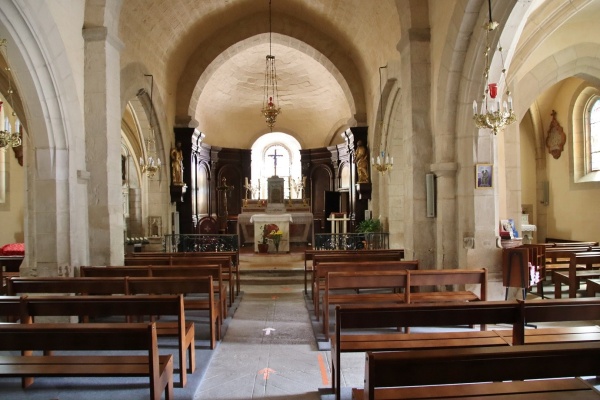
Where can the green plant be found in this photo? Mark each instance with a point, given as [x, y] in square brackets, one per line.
[369, 225]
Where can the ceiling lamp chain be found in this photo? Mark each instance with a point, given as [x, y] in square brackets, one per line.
[270, 109]
[493, 115]
[9, 138]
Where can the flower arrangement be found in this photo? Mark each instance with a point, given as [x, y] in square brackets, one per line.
[267, 230]
[271, 232]
[275, 236]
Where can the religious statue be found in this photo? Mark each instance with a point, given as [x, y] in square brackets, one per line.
[177, 165]
[222, 213]
[362, 162]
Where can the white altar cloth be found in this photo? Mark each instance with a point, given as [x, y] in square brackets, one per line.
[300, 227]
[281, 220]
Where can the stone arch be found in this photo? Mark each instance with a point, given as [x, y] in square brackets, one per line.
[548, 72]
[223, 43]
[51, 113]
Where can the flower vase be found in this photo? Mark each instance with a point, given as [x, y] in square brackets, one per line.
[276, 247]
[263, 247]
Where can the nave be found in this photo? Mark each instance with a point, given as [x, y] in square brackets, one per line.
[269, 349]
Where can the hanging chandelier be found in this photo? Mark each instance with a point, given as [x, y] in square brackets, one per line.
[152, 165]
[495, 113]
[9, 138]
[270, 109]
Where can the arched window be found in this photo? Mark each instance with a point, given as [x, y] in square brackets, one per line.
[593, 136]
[585, 157]
[286, 150]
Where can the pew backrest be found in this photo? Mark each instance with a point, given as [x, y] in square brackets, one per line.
[420, 278]
[109, 285]
[479, 364]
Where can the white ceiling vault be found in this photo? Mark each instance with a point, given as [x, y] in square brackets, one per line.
[209, 58]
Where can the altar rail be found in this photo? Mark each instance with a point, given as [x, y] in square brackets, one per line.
[352, 241]
[200, 243]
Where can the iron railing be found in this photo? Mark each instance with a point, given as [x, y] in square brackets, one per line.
[200, 242]
[352, 241]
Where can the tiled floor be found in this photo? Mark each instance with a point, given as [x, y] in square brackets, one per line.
[269, 350]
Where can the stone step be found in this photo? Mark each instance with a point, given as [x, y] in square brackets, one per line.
[273, 276]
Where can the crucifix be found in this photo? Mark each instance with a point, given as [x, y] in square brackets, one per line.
[275, 155]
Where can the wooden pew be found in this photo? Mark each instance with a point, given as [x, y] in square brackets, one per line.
[198, 295]
[498, 372]
[309, 255]
[354, 281]
[213, 270]
[230, 273]
[592, 287]
[560, 310]
[421, 278]
[131, 285]
[357, 265]
[11, 308]
[379, 328]
[572, 277]
[520, 314]
[24, 285]
[87, 337]
[141, 306]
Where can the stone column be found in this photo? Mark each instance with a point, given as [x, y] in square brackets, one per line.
[446, 224]
[414, 51]
[102, 109]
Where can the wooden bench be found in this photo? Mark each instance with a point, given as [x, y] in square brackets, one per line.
[366, 327]
[70, 285]
[592, 287]
[558, 258]
[498, 372]
[324, 268]
[229, 259]
[575, 274]
[356, 281]
[196, 270]
[560, 310]
[421, 278]
[310, 254]
[198, 295]
[87, 337]
[131, 285]
[108, 306]
[11, 308]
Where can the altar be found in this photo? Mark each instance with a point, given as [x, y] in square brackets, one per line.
[283, 223]
[292, 216]
[298, 229]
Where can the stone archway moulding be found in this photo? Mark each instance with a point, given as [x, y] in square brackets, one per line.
[222, 44]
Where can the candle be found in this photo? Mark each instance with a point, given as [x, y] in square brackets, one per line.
[6, 124]
[141, 161]
[246, 181]
[474, 106]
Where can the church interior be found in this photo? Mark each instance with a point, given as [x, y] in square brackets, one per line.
[464, 128]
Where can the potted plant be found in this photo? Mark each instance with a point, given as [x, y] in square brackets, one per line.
[263, 245]
[368, 227]
[266, 229]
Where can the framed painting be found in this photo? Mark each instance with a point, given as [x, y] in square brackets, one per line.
[484, 176]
